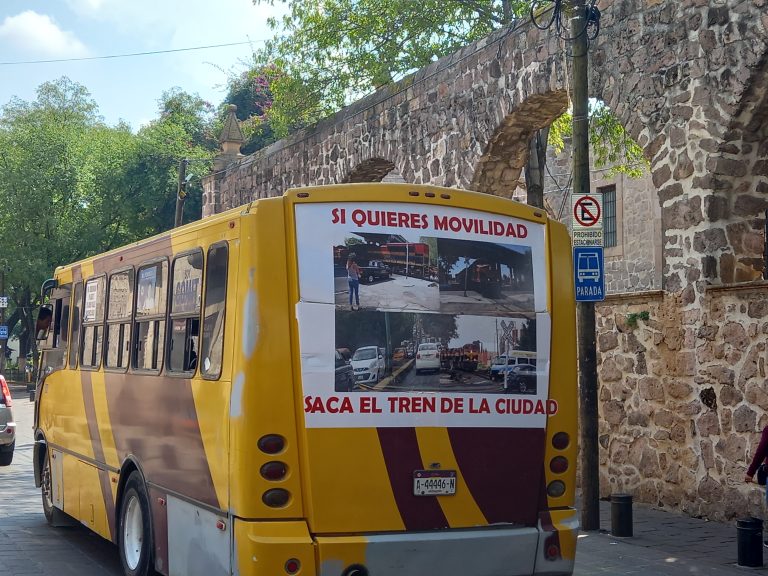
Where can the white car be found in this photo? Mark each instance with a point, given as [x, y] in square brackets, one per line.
[427, 357]
[368, 365]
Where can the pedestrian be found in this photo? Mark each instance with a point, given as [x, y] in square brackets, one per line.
[353, 278]
[757, 460]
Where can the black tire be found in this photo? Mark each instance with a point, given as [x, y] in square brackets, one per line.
[46, 488]
[370, 279]
[6, 454]
[139, 559]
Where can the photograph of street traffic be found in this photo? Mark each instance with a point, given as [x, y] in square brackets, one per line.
[386, 272]
[484, 277]
[401, 351]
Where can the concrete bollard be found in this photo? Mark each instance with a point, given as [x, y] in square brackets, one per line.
[749, 538]
[621, 515]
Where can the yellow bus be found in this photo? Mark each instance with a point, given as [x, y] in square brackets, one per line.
[222, 398]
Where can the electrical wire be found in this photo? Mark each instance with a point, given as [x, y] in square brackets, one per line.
[591, 19]
[110, 56]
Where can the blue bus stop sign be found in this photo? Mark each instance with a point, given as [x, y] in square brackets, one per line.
[588, 267]
[3, 332]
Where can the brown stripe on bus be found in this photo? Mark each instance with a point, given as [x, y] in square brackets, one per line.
[98, 449]
[154, 419]
[401, 454]
[134, 255]
[502, 469]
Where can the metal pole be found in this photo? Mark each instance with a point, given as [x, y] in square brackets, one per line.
[585, 311]
[181, 193]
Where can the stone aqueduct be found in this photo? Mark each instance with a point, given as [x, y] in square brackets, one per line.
[683, 393]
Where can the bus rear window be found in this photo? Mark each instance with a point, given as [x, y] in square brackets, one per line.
[213, 318]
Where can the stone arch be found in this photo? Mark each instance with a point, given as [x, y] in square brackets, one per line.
[498, 169]
[372, 170]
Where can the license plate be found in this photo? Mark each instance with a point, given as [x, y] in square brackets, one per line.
[434, 482]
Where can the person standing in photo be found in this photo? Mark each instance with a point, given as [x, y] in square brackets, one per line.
[353, 278]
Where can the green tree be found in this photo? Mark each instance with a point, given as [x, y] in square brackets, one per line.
[149, 181]
[57, 159]
[73, 186]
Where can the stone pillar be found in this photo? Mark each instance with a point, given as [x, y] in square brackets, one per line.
[231, 139]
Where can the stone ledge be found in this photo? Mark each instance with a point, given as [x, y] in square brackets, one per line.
[642, 295]
[737, 287]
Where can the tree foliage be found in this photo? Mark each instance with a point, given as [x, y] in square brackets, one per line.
[73, 186]
[330, 52]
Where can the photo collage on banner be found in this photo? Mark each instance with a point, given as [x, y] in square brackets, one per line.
[435, 315]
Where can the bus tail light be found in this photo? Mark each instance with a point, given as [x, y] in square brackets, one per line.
[292, 566]
[556, 488]
[551, 548]
[271, 444]
[274, 470]
[5, 391]
[558, 464]
[276, 497]
[561, 440]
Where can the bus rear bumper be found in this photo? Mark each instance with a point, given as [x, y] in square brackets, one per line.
[264, 548]
[496, 550]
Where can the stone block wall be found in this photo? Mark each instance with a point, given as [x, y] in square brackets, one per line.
[683, 398]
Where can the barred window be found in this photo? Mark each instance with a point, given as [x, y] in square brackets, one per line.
[609, 215]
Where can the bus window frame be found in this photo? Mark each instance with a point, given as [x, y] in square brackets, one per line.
[204, 303]
[75, 331]
[132, 367]
[83, 325]
[107, 323]
[185, 315]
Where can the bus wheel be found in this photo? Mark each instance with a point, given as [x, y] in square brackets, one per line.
[46, 489]
[135, 532]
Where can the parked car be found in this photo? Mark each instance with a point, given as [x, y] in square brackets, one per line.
[368, 364]
[345, 375]
[521, 379]
[506, 363]
[375, 270]
[427, 357]
[7, 425]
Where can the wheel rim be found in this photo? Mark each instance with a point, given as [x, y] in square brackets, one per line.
[47, 488]
[133, 533]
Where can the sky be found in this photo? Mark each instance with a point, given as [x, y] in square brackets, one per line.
[128, 88]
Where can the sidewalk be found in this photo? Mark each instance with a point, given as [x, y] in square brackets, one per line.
[664, 544]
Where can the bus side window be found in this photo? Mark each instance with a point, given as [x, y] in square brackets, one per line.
[119, 309]
[149, 326]
[212, 348]
[187, 281]
[75, 340]
[93, 319]
[64, 320]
